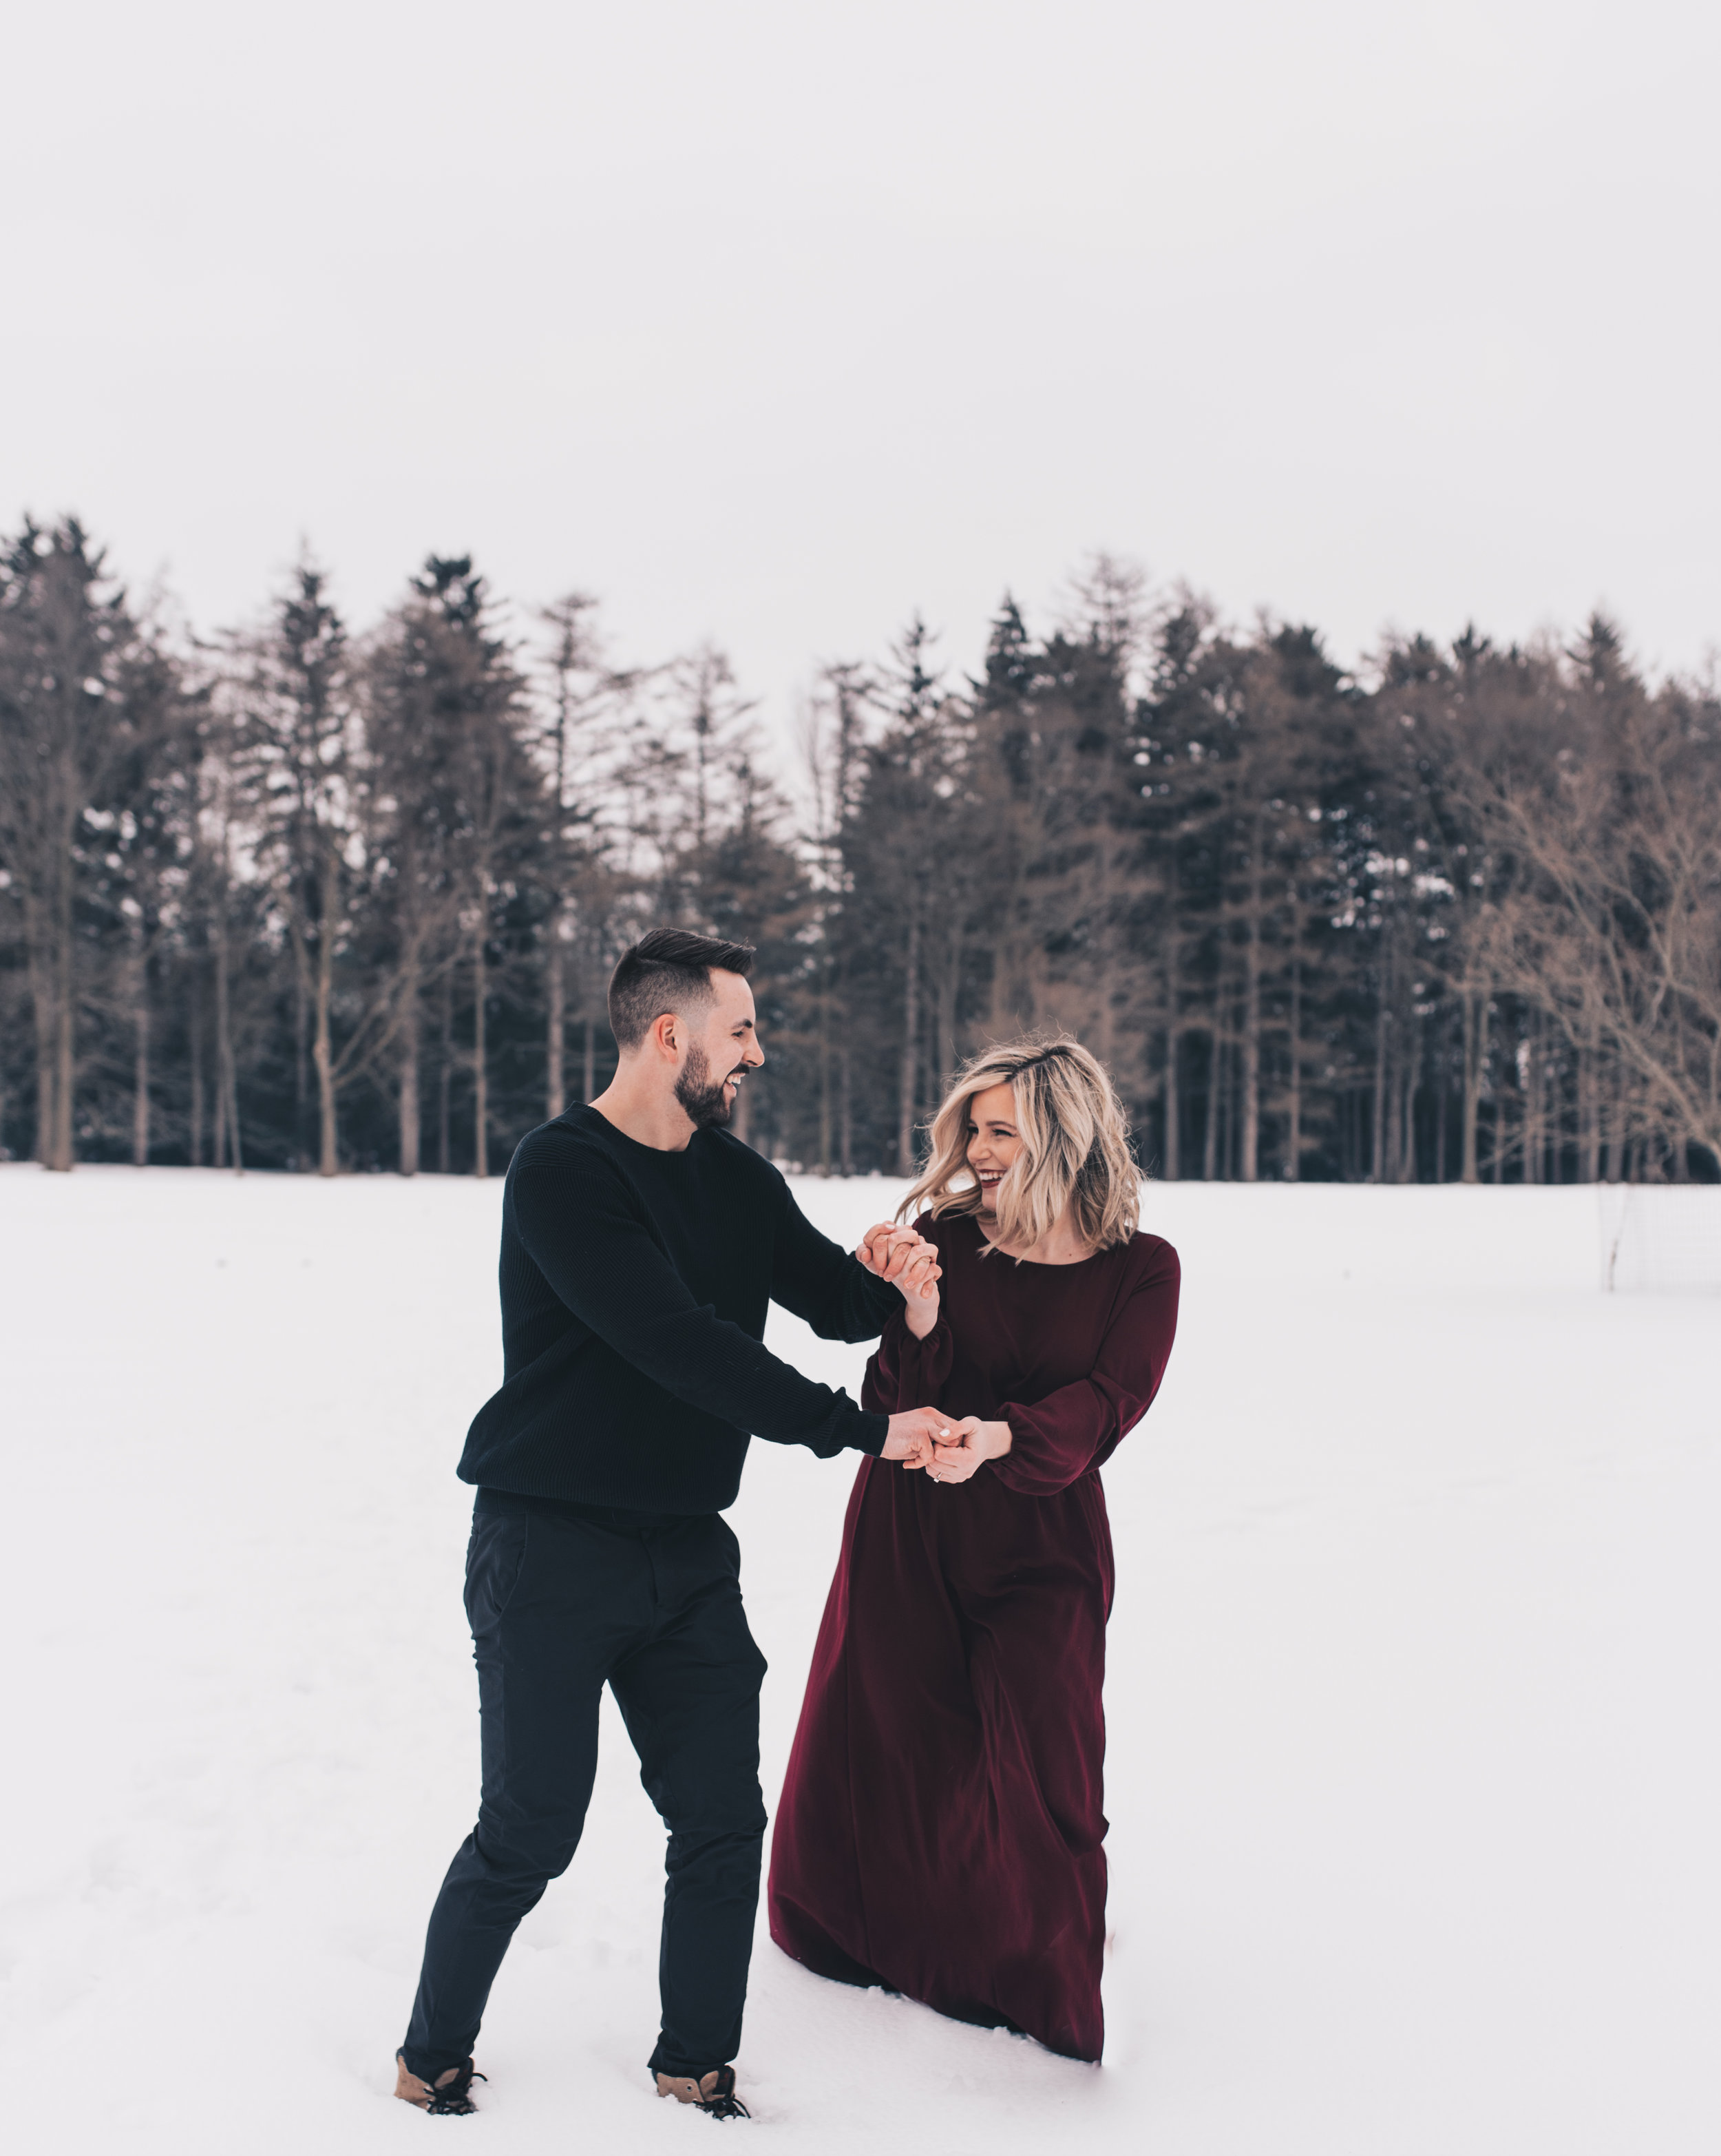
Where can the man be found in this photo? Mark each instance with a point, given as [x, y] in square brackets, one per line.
[641, 1244]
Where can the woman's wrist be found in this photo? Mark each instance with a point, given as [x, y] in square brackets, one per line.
[921, 1316]
[999, 1439]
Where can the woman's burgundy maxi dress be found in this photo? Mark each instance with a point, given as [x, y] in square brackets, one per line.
[940, 1829]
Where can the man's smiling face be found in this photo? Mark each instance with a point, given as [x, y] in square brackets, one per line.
[720, 1044]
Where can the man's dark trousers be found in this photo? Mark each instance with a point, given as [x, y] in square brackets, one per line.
[563, 1600]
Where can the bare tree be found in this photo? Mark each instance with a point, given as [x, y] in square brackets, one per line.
[587, 704]
[1612, 921]
[298, 724]
[65, 636]
[833, 736]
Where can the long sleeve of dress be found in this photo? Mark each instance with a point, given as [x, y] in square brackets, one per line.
[906, 1373]
[1056, 1439]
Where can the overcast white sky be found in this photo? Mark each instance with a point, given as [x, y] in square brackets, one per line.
[771, 322]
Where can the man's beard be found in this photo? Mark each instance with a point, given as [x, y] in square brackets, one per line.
[701, 1101]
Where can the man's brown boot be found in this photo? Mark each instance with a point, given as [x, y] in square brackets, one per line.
[449, 2096]
[714, 2093]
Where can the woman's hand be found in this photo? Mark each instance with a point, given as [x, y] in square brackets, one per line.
[972, 1441]
[904, 1257]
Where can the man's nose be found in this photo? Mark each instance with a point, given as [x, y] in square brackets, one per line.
[753, 1056]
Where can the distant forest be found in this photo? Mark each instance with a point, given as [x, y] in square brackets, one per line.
[314, 898]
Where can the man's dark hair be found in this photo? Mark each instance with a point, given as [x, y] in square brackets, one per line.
[668, 969]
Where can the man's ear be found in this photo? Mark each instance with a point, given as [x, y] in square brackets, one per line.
[663, 1033]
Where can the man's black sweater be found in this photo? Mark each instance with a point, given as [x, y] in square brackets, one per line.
[634, 1289]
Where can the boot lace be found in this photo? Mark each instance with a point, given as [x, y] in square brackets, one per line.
[452, 2100]
[723, 2102]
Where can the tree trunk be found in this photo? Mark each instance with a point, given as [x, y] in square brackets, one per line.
[910, 1060]
[195, 1031]
[1405, 1166]
[556, 985]
[1612, 1110]
[1171, 1168]
[1534, 1102]
[1210, 1131]
[589, 1066]
[1294, 1134]
[1377, 1134]
[1475, 1062]
[1249, 1163]
[1442, 1091]
[141, 1066]
[445, 1073]
[480, 1072]
[824, 1070]
[322, 1047]
[409, 1111]
[43, 1013]
[1589, 1119]
[57, 1153]
[556, 1018]
[65, 1016]
[301, 1039]
[845, 1111]
[226, 1073]
[1170, 1164]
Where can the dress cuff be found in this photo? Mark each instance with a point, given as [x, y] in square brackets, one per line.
[924, 1365]
[1037, 1464]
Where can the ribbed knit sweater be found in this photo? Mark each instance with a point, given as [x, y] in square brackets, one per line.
[634, 1289]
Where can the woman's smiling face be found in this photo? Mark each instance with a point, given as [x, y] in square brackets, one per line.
[993, 1140]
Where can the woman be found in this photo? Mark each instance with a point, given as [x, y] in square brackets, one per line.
[940, 1829]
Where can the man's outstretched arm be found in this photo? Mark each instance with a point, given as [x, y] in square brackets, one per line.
[573, 1215]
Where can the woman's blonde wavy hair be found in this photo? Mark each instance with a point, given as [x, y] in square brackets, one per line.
[1075, 1146]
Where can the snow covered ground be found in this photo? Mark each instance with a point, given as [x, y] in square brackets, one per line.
[1414, 1772]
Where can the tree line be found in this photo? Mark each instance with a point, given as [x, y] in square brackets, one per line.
[304, 897]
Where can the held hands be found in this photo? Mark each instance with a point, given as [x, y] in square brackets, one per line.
[914, 1436]
[957, 1458]
[905, 1258]
[949, 1448]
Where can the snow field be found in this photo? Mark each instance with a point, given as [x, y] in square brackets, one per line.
[1413, 1770]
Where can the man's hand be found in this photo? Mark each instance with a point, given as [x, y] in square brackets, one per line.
[904, 1257]
[971, 1442]
[914, 1436]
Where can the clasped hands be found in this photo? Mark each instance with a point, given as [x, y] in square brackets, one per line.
[904, 1257]
[948, 1448]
